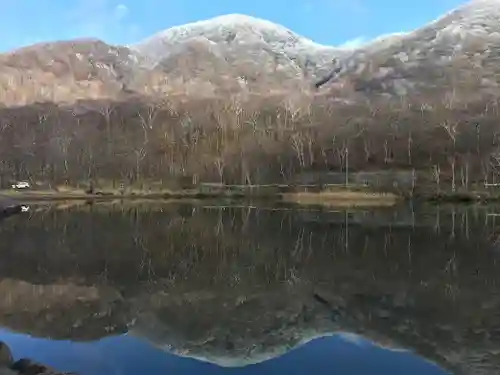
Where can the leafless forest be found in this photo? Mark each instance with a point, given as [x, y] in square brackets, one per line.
[257, 142]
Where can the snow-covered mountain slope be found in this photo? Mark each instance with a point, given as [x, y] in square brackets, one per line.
[243, 40]
[459, 50]
[232, 28]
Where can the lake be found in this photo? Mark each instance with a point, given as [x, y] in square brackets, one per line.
[148, 287]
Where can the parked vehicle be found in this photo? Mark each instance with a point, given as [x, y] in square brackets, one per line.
[21, 185]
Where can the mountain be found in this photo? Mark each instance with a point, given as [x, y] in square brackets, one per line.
[238, 53]
[232, 52]
[237, 30]
[241, 46]
[252, 72]
[458, 52]
[67, 70]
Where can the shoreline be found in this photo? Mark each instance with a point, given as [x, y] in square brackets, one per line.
[328, 198]
[337, 197]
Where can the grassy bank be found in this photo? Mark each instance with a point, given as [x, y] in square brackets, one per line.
[329, 196]
[341, 196]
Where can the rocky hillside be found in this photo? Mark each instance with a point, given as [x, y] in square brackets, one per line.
[237, 53]
[234, 52]
[65, 71]
[459, 51]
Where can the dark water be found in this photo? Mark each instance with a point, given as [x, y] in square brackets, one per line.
[177, 288]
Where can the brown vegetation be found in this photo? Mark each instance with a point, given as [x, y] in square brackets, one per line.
[342, 199]
[89, 69]
[63, 72]
[177, 145]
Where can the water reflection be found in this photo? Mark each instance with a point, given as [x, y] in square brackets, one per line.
[129, 355]
[240, 285]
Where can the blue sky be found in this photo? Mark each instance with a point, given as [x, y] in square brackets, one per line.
[332, 22]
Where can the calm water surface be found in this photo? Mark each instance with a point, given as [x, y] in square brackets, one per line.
[175, 288]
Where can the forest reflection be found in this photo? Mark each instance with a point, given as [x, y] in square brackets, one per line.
[245, 284]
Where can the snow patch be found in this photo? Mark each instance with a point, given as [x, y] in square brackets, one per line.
[233, 31]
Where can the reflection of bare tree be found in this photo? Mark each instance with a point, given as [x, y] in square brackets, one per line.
[494, 236]
[248, 276]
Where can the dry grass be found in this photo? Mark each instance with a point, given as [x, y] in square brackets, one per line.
[342, 198]
[69, 194]
[354, 196]
[65, 189]
[42, 195]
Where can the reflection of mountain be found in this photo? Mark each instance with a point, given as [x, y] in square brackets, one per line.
[236, 286]
[127, 355]
[62, 310]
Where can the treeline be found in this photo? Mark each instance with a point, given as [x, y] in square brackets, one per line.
[260, 141]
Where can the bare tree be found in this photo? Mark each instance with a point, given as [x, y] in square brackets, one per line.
[298, 146]
[451, 131]
[106, 110]
[148, 119]
[140, 154]
[219, 164]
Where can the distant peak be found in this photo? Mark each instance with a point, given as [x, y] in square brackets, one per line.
[230, 21]
[476, 8]
[229, 26]
[232, 18]
[237, 17]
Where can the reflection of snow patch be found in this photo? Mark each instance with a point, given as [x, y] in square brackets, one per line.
[251, 357]
[352, 338]
[228, 359]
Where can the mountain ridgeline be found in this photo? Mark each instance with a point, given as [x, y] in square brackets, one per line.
[240, 100]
